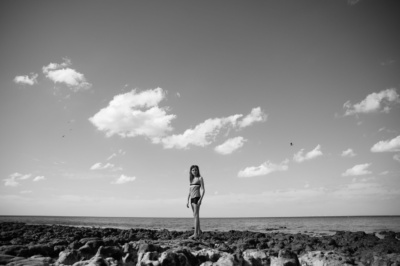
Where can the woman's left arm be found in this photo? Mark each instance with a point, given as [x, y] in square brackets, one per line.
[203, 189]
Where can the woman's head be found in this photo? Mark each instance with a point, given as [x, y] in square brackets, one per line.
[194, 172]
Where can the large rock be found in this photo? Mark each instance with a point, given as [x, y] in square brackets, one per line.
[285, 258]
[67, 257]
[33, 261]
[330, 258]
[254, 257]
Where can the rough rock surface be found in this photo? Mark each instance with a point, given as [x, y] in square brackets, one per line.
[39, 245]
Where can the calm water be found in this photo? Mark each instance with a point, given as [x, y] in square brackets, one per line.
[311, 225]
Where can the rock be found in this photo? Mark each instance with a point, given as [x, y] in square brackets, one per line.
[254, 257]
[34, 261]
[319, 258]
[285, 258]
[4, 259]
[230, 260]
[67, 257]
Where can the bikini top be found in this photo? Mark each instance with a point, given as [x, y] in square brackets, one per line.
[197, 184]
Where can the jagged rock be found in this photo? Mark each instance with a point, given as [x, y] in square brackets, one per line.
[33, 261]
[254, 257]
[67, 257]
[319, 258]
[285, 258]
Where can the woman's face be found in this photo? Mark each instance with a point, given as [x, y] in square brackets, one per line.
[195, 171]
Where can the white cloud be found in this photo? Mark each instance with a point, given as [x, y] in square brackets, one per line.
[205, 133]
[264, 169]
[392, 145]
[123, 179]
[28, 80]
[38, 178]
[299, 157]
[100, 166]
[359, 169]
[61, 73]
[396, 157]
[348, 153]
[26, 192]
[230, 145]
[13, 179]
[374, 102]
[134, 114]
[202, 135]
[256, 115]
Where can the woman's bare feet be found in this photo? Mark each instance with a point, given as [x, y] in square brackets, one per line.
[193, 236]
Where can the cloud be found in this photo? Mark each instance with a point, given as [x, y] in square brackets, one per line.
[101, 166]
[202, 135]
[264, 169]
[392, 145]
[299, 157]
[230, 145]
[28, 80]
[348, 153]
[61, 73]
[205, 133]
[115, 154]
[256, 115]
[374, 102]
[38, 178]
[13, 179]
[123, 179]
[396, 157]
[359, 169]
[134, 114]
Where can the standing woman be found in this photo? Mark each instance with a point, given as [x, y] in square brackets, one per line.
[196, 183]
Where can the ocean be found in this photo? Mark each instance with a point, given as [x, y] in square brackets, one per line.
[308, 225]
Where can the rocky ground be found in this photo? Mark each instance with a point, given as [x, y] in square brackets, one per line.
[39, 245]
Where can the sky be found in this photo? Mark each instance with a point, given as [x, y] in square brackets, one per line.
[289, 108]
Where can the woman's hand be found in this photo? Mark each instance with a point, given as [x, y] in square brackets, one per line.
[187, 205]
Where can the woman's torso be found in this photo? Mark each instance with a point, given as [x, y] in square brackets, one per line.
[195, 187]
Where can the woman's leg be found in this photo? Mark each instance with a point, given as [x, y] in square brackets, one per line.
[195, 208]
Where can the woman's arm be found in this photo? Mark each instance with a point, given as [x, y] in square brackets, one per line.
[203, 190]
[187, 205]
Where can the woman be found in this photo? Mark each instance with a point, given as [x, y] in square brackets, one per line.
[196, 182]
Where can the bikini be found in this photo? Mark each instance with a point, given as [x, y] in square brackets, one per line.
[195, 191]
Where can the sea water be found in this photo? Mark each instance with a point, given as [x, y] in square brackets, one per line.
[309, 225]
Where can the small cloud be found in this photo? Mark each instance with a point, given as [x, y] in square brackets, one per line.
[256, 115]
[230, 145]
[13, 179]
[299, 157]
[396, 157]
[348, 153]
[26, 192]
[123, 179]
[27, 80]
[374, 102]
[100, 166]
[264, 169]
[360, 169]
[392, 145]
[38, 178]
[61, 73]
[178, 95]
[384, 173]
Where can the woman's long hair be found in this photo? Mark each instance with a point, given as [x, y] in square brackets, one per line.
[191, 176]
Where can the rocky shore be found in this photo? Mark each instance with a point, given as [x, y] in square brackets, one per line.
[40, 245]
